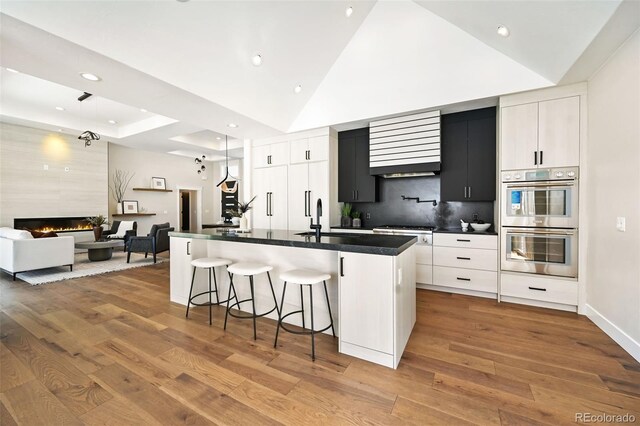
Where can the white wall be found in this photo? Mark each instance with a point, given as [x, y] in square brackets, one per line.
[178, 172]
[613, 167]
[28, 190]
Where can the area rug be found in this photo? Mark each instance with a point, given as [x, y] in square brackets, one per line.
[83, 267]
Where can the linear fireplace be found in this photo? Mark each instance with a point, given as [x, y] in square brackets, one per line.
[55, 224]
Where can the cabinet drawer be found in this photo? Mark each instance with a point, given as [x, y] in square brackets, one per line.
[466, 241]
[539, 288]
[424, 274]
[469, 279]
[466, 258]
[424, 254]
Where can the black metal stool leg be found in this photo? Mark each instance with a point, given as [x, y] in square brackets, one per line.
[275, 300]
[253, 306]
[284, 291]
[193, 277]
[226, 315]
[215, 283]
[209, 295]
[313, 332]
[302, 307]
[326, 293]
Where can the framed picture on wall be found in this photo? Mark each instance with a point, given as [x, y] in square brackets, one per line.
[129, 207]
[158, 183]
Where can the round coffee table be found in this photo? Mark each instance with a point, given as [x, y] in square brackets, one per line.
[99, 250]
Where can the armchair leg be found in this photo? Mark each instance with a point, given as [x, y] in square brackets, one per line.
[154, 257]
[70, 268]
[14, 276]
[146, 253]
[128, 256]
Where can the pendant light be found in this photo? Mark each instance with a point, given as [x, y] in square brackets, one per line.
[229, 184]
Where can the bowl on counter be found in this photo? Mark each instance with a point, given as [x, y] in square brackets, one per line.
[481, 227]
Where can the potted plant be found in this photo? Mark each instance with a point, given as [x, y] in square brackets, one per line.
[345, 220]
[97, 222]
[238, 216]
[120, 181]
[357, 223]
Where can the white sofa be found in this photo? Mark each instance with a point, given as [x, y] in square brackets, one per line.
[20, 252]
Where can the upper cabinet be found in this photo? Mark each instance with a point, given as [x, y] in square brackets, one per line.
[468, 171]
[355, 184]
[309, 149]
[276, 154]
[541, 134]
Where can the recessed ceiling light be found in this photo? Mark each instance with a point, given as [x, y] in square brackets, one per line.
[59, 108]
[11, 70]
[89, 76]
[113, 122]
[61, 130]
[257, 60]
[298, 89]
[143, 110]
[232, 125]
[218, 138]
[348, 12]
[503, 31]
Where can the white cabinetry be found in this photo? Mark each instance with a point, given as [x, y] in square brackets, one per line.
[466, 263]
[276, 154]
[550, 292]
[541, 134]
[183, 251]
[309, 149]
[270, 189]
[377, 305]
[424, 264]
[307, 183]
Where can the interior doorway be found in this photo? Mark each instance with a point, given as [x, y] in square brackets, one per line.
[188, 210]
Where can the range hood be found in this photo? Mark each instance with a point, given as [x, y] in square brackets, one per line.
[406, 146]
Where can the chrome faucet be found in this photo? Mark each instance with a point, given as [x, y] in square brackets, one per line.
[317, 227]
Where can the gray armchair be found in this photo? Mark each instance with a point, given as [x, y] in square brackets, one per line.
[114, 229]
[155, 242]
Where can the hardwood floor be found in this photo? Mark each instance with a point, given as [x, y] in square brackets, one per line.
[111, 349]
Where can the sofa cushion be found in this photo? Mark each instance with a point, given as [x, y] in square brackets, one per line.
[15, 234]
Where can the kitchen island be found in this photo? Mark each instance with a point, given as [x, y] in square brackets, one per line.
[372, 286]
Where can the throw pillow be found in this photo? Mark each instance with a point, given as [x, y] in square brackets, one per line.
[123, 227]
[49, 234]
[36, 234]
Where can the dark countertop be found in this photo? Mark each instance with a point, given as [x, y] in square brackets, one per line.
[387, 245]
[351, 228]
[489, 231]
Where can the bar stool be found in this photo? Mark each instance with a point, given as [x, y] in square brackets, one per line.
[209, 263]
[308, 278]
[248, 269]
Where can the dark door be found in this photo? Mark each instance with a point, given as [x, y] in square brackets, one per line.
[481, 148]
[365, 183]
[453, 171]
[184, 211]
[346, 167]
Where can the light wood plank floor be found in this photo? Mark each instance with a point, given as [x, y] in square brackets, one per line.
[111, 349]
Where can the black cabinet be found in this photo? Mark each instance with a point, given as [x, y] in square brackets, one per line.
[355, 184]
[468, 149]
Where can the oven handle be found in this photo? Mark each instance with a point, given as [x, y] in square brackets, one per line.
[538, 232]
[553, 184]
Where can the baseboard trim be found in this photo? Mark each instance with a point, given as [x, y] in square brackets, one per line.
[618, 335]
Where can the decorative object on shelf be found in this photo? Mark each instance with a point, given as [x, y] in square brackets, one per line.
[88, 136]
[345, 220]
[158, 183]
[200, 161]
[129, 206]
[228, 184]
[357, 222]
[120, 181]
[239, 213]
[418, 200]
[97, 222]
[464, 225]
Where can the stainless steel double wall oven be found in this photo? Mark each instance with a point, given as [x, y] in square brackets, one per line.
[539, 213]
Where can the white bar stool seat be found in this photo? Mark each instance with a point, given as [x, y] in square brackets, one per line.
[209, 263]
[308, 278]
[248, 269]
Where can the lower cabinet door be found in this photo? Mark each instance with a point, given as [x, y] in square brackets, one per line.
[366, 301]
[467, 279]
[424, 274]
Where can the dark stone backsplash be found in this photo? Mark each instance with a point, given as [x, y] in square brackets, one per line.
[392, 210]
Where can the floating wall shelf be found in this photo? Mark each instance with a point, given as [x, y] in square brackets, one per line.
[153, 190]
[133, 214]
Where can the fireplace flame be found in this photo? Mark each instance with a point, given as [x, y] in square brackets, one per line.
[65, 229]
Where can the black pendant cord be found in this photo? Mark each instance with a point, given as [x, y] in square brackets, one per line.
[226, 149]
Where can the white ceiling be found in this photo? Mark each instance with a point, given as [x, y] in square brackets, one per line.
[190, 62]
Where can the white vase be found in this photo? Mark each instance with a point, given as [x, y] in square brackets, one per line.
[118, 208]
[244, 223]
[235, 220]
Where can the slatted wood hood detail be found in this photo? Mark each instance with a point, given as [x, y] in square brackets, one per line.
[405, 145]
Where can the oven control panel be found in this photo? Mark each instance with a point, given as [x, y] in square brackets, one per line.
[564, 173]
